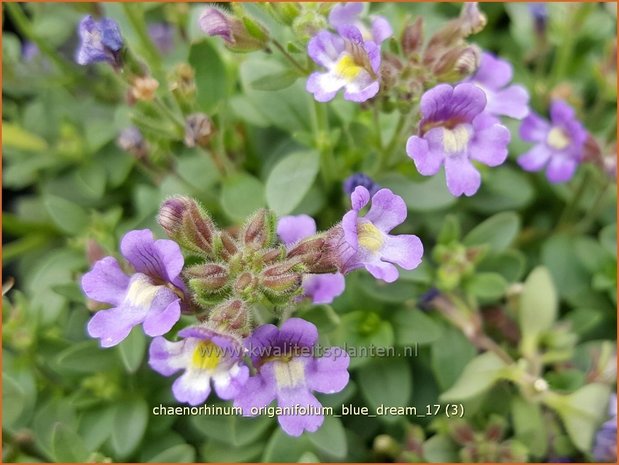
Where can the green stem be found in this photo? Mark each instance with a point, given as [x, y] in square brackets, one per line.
[569, 35]
[402, 126]
[594, 210]
[135, 16]
[328, 166]
[22, 23]
[289, 57]
[572, 205]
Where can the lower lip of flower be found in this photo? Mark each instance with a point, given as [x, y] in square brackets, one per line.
[347, 68]
[557, 138]
[456, 140]
[289, 374]
[205, 356]
[370, 237]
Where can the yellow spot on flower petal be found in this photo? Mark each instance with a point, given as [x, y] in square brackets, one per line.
[205, 356]
[370, 237]
[289, 374]
[347, 68]
[456, 140]
[557, 139]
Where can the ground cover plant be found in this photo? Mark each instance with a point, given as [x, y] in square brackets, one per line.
[309, 232]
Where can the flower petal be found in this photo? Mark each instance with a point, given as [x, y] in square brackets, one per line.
[115, 324]
[324, 48]
[193, 387]
[164, 312]
[323, 288]
[168, 357]
[534, 128]
[228, 383]
[461, 175]
[106, 282]
[405, 250]
[359, 198]
[536, 158]
[493, 72]
[387, 211]
[561, 113]
[512, 101]
[427, 162]
[159, 259]
[292, 229]
[345, 13]
[560, 169]
[298, 332]
[489, 146]
[324, 86]
[294, 425]
[329, 373]
[381, 29]
[382, 270]
[259, 391]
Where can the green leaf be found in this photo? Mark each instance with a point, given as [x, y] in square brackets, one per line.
[284, 448]
[67, 445]
[510, 264]
[290, 180]
[234, 430]
[386, 381]
[412, 327]
[68, 216]
[505, 189]
[275, 81]
[13, 401]
[132, 349]
[323, 316]
[427, 195]
[130, 421]
[450, 354]
[16, 137]
[478, 376]
[491, 286]
[241, 195]
[216, 451]
[582, 412]
[330, 438]
[211, 79]
[498, 231]
[529, 425]
[198, 170]
[537, 309]
[86, 357]
[181, 453]
[440, 449]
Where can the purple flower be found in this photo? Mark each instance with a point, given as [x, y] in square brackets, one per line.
[99, 41]
[363, 241]
[29, 51]
[204, 355]
[149, 296]
[351, 63]
[502, 99]
[321, 288]
[605, 447]
[559, 143]
[454, 131]
[359, 179]
[539, 12]
[162, 34]
[347, 14]
[288, 371]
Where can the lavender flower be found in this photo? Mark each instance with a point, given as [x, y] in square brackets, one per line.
[363, 241]
[351, 63]
[359, 179]
[559, 143]
[99, 41]
[347, 14]
[204, 355]
[605, 447]
[539, 13]
[455, 130]
[29, 51]
[150, 296]
[321, 288]
[288, 371]
[493, 77]
[162, 34]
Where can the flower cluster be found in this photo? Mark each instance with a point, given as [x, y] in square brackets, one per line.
[229, 275]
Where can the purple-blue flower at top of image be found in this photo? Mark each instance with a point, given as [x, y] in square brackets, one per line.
[365, 242]
[539, 12]
[205, 356]
[162, 35]
[454, 131]
[321, 288]
[289, 370]
[351, 63]
[605, 447]
[348, 14]
[502, 99]
[559, 143]
[359, 179]
[99, 41]
[150, 296]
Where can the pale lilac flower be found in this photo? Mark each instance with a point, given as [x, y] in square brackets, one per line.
[162, 34]
[351, 63]
[205, 355]
[359, 179]
[502, 99]
[453, 132]
[321, 288]
[29, 51]
[539, 13]
[150, 296]
[605, 447]
[348, 14]
[365, 242]
[289, 371]
[99, 41]
[559, 143]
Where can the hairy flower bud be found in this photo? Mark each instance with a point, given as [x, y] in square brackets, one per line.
[182, 81]
[234, 32]
[144, 88]
[207, 277]
[198, 130]
[132, 141]
[457, 63]
[412, 37]
[186, 222]
[285, 12]
[314, 252]
[232, 315]
[224, 245]
[282, 281]
[259, 230]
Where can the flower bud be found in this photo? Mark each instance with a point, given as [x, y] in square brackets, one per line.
[232, 315]
[495, 429]
[182, 81]
[457, 64]
[315, 253]
[471, 19]
[285, 12]
[308, 23]
[281, 282]
[144, 88]
[198, 130]
[224, 245]
[412, 37]
[207, 277]
[233, 31]
[132, 141]
[186, 222]
[259, 231]
[245, 284]
[461, 432]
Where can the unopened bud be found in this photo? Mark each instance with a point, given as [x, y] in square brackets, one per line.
[245, 284]
[186, 222]
[472, 20]
[182, 81]
[495, 429]
[207, 277]
[457, 64]
[308, 23]
[412, 37]
[259, 230]
[132, 141]
[144, 88]
[314, 253]
[232, 315]
[233, 31]
[94, 251]
[282, 281]
[285, 12]
[461, 432]
[198, 130]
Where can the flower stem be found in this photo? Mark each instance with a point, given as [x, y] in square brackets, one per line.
[322, 139]
[289, 57]
[135, 16]
[572, 205]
